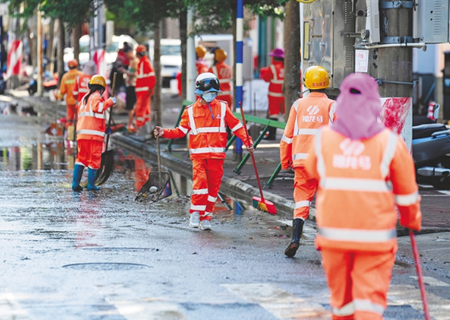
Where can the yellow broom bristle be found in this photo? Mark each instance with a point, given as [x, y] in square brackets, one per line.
[262, 206]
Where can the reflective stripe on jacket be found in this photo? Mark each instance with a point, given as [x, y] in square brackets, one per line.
[275, 75]
[307, 115]
[225, 74]
[80, 87]
[91, 118]
[66, 87]
[360, 182]
[208, 138]
[145, 77]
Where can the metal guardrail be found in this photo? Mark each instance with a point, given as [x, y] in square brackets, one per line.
[249, 118]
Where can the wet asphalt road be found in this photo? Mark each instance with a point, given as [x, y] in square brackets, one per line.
[100, 255]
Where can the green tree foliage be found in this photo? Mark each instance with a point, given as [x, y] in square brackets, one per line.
[70, 11]
[215, 15]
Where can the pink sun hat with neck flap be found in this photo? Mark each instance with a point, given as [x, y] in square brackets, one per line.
[277, 53]
[358, 108]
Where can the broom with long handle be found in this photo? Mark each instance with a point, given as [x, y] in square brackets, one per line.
[259, 203]
[415, 250]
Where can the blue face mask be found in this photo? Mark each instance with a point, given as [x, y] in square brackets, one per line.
[209, 96]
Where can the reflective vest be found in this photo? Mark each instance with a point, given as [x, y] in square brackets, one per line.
[66, 87]
[201, 67]
[307, 115]
[225, 74]
[145, 77]
[80, 87]
[360, 182]
[91, 118]
[208, 137]
[275, 75]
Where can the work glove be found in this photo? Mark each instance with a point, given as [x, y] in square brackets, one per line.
[108, 131]
[113, 100]
[411, 220]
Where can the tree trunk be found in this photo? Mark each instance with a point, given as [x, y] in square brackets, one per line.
[61, 42]
[291, 54]
[76, 42]
[32, 49]
[157, 67]
[183, 38]
[50, 49]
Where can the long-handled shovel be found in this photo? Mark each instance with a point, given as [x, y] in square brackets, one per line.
[259, 203]
[158, 186]
[415, 250]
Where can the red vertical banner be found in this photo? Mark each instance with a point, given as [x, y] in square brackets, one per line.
[14, 60]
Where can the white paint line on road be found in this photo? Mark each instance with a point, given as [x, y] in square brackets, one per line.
[10, 308]
[147, 309]
[410, 295]
[444, 192]
[278, 302]
[432, 281]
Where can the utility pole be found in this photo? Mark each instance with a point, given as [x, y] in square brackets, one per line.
[190, 65]
[393, 65]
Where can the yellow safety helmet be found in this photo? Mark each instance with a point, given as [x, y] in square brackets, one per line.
[220, 55]
[316, 77]
[98, 80]
[200, 51]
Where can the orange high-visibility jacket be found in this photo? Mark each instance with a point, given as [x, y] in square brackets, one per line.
[225, 74]
[201, 67]
[208, 137]
[145, 77]
[91, 118]
[275, 75]
[360, 183]
[80, 87]
[307, 115]
[66, 88]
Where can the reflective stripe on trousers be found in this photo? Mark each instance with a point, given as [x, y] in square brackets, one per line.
[358, 235]
[358, 305]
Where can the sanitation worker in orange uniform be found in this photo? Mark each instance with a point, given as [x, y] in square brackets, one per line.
[91, 129]
[307, 115]
[225, 75]
[207, 120]
[145, 82]
[66, 89]
[275, 75]
[80, 87]
[364, 172]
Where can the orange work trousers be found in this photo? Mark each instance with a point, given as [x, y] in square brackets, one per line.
[276, 106]
[90, 153]
[207, 177]
[304, 190]
[70, 114]
[358, 282]
[142, 109]
[228, 99]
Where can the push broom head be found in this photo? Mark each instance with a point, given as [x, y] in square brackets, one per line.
[265, 205]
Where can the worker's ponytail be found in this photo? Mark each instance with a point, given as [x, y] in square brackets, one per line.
[93, 88]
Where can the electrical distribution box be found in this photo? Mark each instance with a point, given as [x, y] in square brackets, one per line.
[328, 28]
[431, 21]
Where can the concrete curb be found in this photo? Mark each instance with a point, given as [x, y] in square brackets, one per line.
[230, 186]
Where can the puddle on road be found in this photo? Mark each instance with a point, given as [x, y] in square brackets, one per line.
[106, 266]
[45, 171]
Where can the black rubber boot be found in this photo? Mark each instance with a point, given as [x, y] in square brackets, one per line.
[272, 132]
[297, 229]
